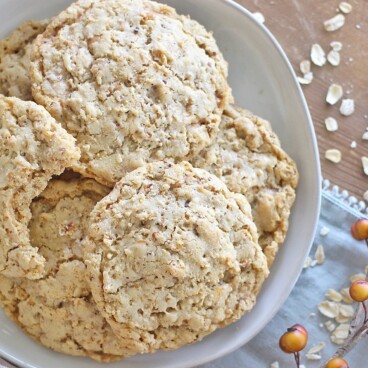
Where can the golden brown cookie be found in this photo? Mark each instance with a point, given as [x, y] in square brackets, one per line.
[132, 81]
[33, 147]
[248, 157]
[15, 59]
[172, 255]
[58, 310]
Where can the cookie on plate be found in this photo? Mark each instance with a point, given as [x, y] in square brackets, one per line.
[15, 59]
[132, 81]
[33, 147]
[172, 255]
[248, 157]
[58, 310]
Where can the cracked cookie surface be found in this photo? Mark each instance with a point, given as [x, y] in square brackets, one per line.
[132, 81]
[33, 147]
[15, 59]
[58, 310]
[172, 255]
[248, 157]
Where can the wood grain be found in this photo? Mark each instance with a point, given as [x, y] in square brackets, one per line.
[297, 24]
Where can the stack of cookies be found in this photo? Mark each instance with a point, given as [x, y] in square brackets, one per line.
[141, 209]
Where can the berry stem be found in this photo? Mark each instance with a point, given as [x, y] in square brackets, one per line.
[365, 313]
[297, 359]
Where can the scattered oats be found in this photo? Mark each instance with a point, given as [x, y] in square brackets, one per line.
[358, 26]
[334, 23]
[347, 107]
[305, 66]
[314, 263]
[346, 310]
[345, 7]
[346, 296]
[317, 348]
[275, 365]
[333, 295]
[306, 79]
[365, 164]
[331, 124]
[342, 319]
[312, 314]
[334, 58]
[321, 325]
[318, 55]
[307, 262]
[365, 136]
[334, 94]
[337, 341]
[336, 45]
[329, 309]
[365, 116]
[350, 59]
[353, 144]
[259, 17]
[334, 155]
[320, 254]
[341, 331]
[324, 231]
[357, 276]
[313, 356]
[330, 326]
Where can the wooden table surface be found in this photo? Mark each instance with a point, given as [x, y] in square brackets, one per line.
[298, 24]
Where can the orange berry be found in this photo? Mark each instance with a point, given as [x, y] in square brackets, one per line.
[294, 339]
[337, 363]
[359, 229]
[359, 290]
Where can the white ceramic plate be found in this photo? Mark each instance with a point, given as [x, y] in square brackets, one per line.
[262, 81]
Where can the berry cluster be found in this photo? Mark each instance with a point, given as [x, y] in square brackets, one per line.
[295, 339]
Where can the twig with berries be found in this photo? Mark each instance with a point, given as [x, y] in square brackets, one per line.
[294, 340]
[359, 324]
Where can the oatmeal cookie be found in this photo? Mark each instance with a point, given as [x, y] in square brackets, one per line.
[15, 59]
[132, 81]
[58, 310]
[172, 255]
[33, 147]
[248, 157]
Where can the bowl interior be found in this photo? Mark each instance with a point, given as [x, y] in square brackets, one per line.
[262, 81]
